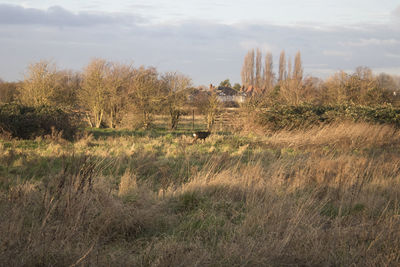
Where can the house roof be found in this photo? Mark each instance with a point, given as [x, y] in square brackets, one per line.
[224, 90]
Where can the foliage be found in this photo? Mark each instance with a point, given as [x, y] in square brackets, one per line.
[146, 94]
[25, 122]
[39, 86]
[8, 92]
[225, 83]
[360, 87]
[93, 95]
[237, 87]
[305, 115]
[68, 85]
[118, 82]
[208, 105]
[176, 91]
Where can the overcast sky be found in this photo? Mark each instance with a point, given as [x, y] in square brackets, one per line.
[205, 39]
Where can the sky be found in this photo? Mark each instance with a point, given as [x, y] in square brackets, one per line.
[204, 39]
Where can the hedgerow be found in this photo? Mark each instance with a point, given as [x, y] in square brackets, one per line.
[306, 115]
[24, 122]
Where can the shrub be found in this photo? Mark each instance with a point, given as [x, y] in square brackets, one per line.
[306, 115]
[19, 121]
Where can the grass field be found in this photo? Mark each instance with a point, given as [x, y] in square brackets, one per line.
[326, 196]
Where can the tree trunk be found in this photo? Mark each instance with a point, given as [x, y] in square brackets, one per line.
[175, 115]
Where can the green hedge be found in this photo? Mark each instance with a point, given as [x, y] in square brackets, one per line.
[25, 122]
[305, 115]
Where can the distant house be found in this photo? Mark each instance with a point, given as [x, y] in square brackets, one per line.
[227, 94]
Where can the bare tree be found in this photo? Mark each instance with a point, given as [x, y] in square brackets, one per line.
[361, 87]
[175, 85]
[146, 94]
[258, 77]
[388, 82]
[118, 80]
[282, 66]
[248, 69]
[93, 94]
[298, 68]
[208, 104]
[67, 88]
[8, 92]
[269, 72]
[38, 87]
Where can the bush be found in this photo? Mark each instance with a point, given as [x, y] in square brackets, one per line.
[19, 121]
[306, 115]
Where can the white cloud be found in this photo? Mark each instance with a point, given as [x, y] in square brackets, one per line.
[58, 16]
[372, 42]
[253, 44]
[206, 51]
[396, 12]
[390, 55]
[336, 53]
[388, 70]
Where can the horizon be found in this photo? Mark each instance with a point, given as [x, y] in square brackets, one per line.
[205, 41]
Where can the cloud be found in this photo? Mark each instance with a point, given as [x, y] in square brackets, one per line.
[58, 16]
[336, 53]
[390, 55]
[264, 47]
[396, 12]
[207, 51]
[372, 42]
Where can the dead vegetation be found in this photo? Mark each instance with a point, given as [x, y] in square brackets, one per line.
[326, 196]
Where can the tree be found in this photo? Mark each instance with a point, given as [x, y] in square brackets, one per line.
[334, 89]
[268, 72]
[360, 87]
[225, 83]
[207, 104]
[118, 80]
[387, 82]
[298, 68]
[237, 87]
[212, 109]
[8, 92]
[247, 72]
[282, 66]
[366, 85]
[145, 92]
[67, 87]
[176, 85]
[93, 94]
[39, 85]
[258, 83]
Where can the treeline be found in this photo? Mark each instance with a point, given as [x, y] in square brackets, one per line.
[290, 86]
[106, 94]
[289, 100]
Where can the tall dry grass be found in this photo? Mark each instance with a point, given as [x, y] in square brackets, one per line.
[326, 196]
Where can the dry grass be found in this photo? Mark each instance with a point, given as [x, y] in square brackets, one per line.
[324, 197]
[343, 135]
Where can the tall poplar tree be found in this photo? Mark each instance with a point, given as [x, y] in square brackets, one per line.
[268, 72]
[247, 72]
[282, 66]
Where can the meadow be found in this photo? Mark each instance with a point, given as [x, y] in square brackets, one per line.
[322, 196]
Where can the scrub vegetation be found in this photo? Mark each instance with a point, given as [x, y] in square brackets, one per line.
[100, 168]
[326, 195]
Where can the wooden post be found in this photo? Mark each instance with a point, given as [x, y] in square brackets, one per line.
[193, 120]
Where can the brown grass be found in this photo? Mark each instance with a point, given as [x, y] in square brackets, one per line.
[327, 196]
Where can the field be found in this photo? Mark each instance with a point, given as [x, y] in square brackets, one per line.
[323, 196]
